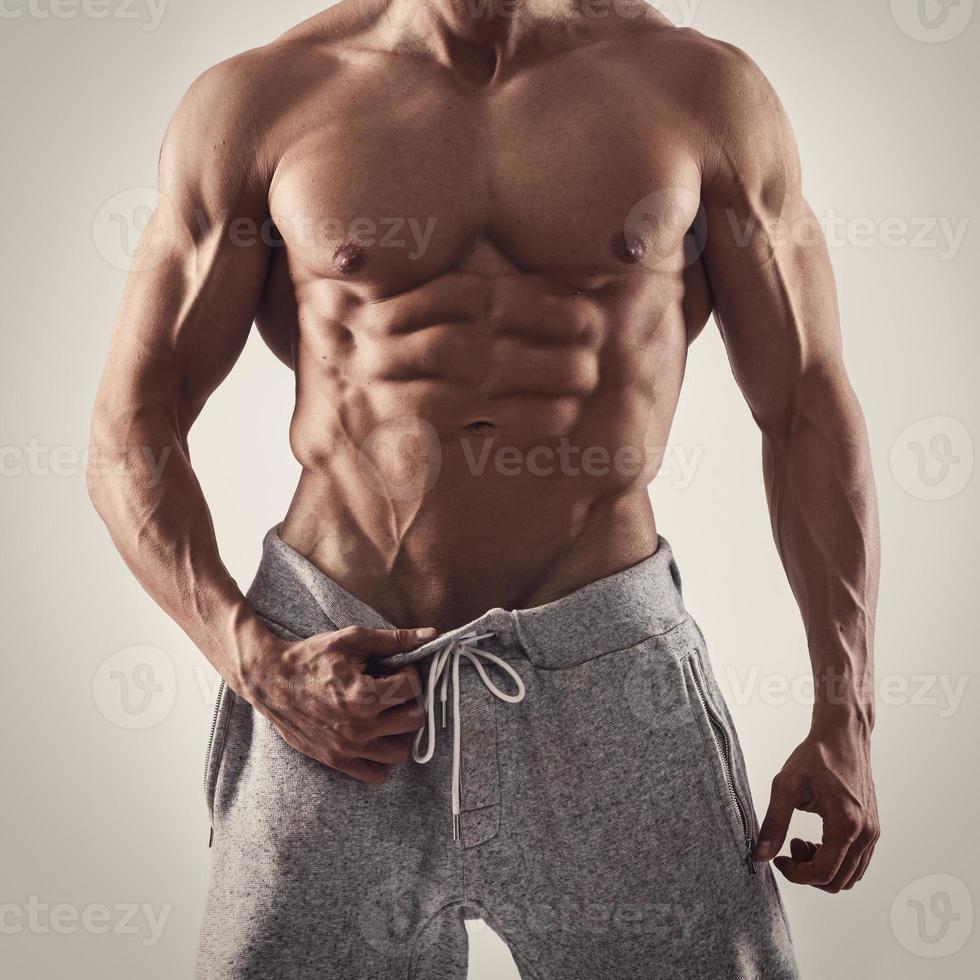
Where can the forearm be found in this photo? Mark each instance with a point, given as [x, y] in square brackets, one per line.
[142, 484]
[824, 516]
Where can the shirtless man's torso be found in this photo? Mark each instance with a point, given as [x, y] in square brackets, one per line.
[483, 236]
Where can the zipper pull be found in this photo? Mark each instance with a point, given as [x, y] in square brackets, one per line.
[749, 860]
[211, 837]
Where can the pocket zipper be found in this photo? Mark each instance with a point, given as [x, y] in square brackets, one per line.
[724, 745]
[207, 755]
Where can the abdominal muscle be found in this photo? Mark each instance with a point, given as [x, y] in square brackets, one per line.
[479, 442]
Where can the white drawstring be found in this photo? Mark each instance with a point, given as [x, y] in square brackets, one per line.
[461, 646]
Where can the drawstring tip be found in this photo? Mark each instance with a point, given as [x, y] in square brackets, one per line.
[455, 826]
[443, 714]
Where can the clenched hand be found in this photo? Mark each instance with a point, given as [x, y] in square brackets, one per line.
[322, 699]
[828, 774]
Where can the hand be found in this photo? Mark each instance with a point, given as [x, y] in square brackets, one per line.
[322, 700]
[829, 774]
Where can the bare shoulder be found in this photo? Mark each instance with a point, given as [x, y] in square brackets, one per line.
[240, 117]
[251, 88]
[734, 115]
[241, 109]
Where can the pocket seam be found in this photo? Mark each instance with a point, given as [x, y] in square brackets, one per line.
[611, 653]
[218, 747]
[712, 750]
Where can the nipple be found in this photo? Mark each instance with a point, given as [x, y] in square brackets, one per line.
[349, 258]
[630, 250]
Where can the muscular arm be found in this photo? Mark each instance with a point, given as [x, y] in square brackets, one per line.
[776, 305]
[187, 311]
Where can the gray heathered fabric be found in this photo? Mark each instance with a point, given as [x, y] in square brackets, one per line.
[599, 835]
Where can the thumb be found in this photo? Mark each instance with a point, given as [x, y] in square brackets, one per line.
[402, 640]
[774, 828]
[363, 643]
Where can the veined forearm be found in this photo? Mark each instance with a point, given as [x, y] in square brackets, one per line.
[142, 484]
[825, 522]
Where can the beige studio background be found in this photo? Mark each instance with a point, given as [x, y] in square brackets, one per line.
[106, 706]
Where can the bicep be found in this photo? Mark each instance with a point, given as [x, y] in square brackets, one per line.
[196, 279]
[768, 265]
[776, 305]
[185, 317]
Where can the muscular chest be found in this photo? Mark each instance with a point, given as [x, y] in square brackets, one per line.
[561, 173]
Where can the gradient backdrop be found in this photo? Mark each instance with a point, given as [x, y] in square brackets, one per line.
[105, 704]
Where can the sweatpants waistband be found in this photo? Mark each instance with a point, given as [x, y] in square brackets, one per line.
[612, 613]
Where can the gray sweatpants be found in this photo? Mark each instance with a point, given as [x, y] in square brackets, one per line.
[604, 820]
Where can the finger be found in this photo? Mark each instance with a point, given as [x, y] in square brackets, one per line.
[397, 688]
[360, 769]
[863, 866]
[862, 869]
[407, 719]
[369, 696]
[775, 826]
[823, 867]
[361, 641]
[848, 868]
[801, 850]
[786, 866]
[363, 770]
[839, 838]
[390, 751]
[801, 853]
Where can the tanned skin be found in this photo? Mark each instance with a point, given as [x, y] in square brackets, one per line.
[529, 308]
